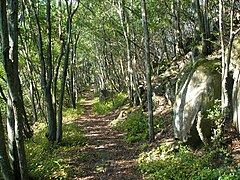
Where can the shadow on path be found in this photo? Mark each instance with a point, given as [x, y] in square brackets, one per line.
[106, 156]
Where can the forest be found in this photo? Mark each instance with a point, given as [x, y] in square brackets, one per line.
[119, 89]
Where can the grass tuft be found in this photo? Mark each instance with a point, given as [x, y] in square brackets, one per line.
[110, 104]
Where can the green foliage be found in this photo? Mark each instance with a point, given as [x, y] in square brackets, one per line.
[50, 162]
[182, 163]
[212, 66]
[70, 114]
[110, 104]
[135, 126]
[216, 116]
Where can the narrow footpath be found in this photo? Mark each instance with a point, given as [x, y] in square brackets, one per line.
[106, 155]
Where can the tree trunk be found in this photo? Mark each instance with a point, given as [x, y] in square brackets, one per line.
[10, 63]
[60, 56]
[176, 4]
[148, 72]
[11, 139]
[204, 26]
[72, 71]
[32, 95]
[46, 69]
[52, 124]
[13, 41]
[226, 59]
[65, 67]
[124, 17]
[4, 161]
[61, 96]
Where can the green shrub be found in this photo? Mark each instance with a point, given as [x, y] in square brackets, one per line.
[70, 114]
[103, 107]
[135, 126]
[163, 163]
[49, 161]
[215, 115]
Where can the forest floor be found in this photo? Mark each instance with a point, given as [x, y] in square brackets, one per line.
[106, 155]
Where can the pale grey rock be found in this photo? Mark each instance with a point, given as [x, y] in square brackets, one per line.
[196, 93]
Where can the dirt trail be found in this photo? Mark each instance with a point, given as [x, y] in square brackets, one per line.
[106, 156]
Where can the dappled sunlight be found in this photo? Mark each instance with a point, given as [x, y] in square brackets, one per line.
[48, 161]
[90, 148]
[106, 155]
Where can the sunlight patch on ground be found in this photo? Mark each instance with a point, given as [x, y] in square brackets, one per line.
[85, 178]
[106, 146]
[126, 163]
[92, 134]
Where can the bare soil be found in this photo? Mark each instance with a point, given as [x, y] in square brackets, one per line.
[106, 155]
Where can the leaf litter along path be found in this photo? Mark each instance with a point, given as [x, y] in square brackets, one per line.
[106, 156]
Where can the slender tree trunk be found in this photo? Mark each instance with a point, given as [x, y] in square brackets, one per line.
[52, 126]
[226, 58]
[32, 93]
[72, 71]
[11, 139]
[148, 71]
[4, 161]
[3, 94]
[206, 43]
[63, 83]
[60, 56]
[204, 27]
[124, 17]
[59, 59]
[46, 69]
[31, 69]
[65, 67]
[223, 96]
[176, 5]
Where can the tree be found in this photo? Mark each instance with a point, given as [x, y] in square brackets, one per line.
[72, 71]
[70, 13]
[204, 26]
[226, 57]
[4, 160]
[9, 34]
[47, 82]
[148, 71]
[46, 72]
[124, 18]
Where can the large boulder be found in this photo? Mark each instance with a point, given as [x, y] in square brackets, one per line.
[235, 68]
[197, 88]
[236, 99]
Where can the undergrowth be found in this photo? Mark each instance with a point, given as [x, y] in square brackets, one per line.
[135, 126]
[177, 161]
[70, 114]
[111, 103]
[47, 161]
[184, 163]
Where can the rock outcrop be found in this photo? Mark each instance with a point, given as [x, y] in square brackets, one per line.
[236, 77]
[196, 91]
